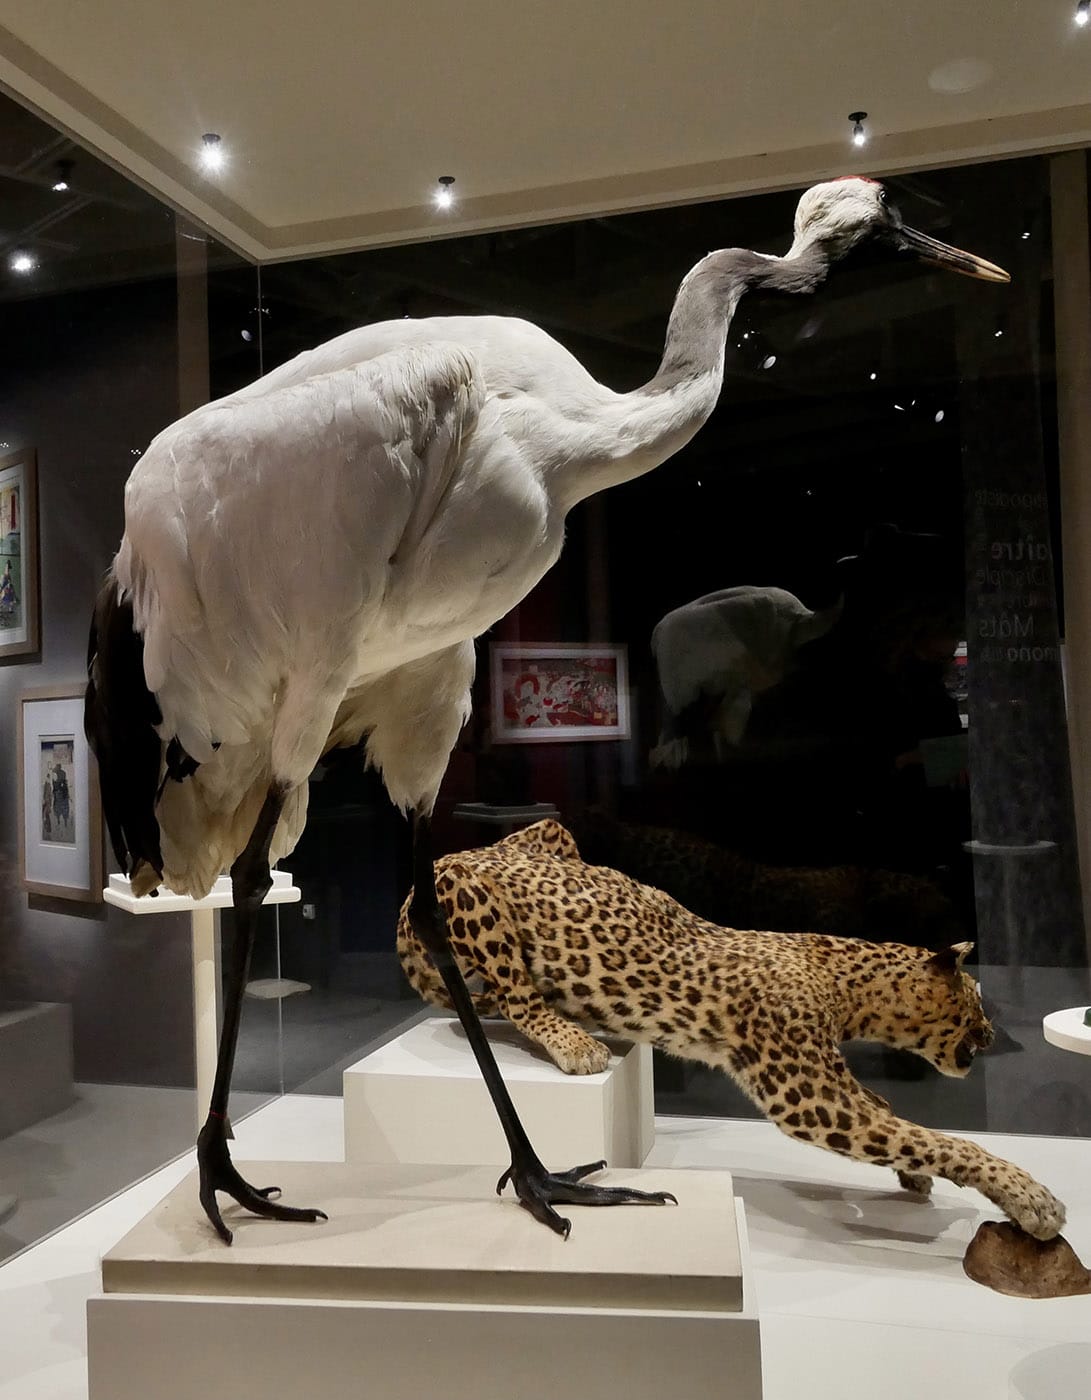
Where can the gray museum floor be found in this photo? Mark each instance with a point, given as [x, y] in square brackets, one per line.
[114, 1134]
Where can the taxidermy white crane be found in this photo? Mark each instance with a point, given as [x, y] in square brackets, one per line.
[307, 562]
[716, 653]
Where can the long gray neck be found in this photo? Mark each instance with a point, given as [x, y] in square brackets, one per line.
[634, 432]
[708, 298]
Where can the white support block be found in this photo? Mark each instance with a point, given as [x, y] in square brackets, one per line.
[422, 1280]
[35, 1062]
[421, 1098]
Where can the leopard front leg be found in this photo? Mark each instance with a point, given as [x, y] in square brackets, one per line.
[486, 945]
[828, 1108]
[918, 1183]
[1030, 1204]
[569, 1046]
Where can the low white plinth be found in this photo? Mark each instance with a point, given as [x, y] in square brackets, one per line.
[421, 1098]
[1066, 1030]
[422, 1279]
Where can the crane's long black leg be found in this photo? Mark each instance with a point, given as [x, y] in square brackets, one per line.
[538, 1189]
[251, 881]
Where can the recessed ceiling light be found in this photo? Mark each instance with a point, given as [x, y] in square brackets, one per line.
[212, 151]
[62, 180]
[1083, 12]
[22, 261]
[859, 135]
[769, 362]
[444, 195]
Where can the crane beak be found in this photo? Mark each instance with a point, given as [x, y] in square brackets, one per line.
[936, 254]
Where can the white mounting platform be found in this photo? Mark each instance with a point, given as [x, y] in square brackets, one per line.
[119, 892]
[421, 1279]
[1067, 1031]
[421, 1098]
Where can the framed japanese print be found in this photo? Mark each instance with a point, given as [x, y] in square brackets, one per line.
[555, 694]
[19, 618]
[60, 818]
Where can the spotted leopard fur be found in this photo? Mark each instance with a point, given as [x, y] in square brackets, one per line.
[563, 947]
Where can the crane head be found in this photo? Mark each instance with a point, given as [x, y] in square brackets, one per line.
[840, 215]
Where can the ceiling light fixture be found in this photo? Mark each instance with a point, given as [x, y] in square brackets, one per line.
[1083, 12]
[443, 197]
[62, 182]
[769, 362]
[212, 151]
[22, 261]
[859, 135]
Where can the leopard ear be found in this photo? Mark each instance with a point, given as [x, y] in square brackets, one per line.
[951, 959]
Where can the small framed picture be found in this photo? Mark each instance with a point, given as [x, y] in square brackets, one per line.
[557, 694]
[19, 618]
[60, 819]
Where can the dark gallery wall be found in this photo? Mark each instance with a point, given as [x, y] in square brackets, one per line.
[86, 379]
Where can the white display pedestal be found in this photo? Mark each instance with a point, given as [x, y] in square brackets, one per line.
[423, 1282]
[421, 1098]
[1067, 1031]
[204, 921]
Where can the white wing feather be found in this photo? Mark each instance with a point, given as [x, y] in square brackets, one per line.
[264, 537]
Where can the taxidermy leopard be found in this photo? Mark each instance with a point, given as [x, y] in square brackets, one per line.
[561, 945]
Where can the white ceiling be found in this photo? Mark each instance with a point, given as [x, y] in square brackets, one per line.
[339, 116]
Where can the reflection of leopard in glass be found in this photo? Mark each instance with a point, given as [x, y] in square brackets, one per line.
[558, 942]
[729, 888]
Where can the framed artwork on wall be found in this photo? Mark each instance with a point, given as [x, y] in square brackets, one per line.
[19, 616]
[557, 694]
[60, 816]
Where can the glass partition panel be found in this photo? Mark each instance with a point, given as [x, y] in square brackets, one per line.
[104, 341]
[837, 606]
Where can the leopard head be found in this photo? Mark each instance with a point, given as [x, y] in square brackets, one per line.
[946, 1024]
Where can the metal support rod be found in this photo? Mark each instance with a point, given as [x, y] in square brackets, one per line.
[205, 934]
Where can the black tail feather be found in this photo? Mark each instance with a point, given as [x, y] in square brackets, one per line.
[119, 719]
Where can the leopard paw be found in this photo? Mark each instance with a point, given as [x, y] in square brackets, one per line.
[1033, 1208]
[583, 1056]
[919, 1184]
